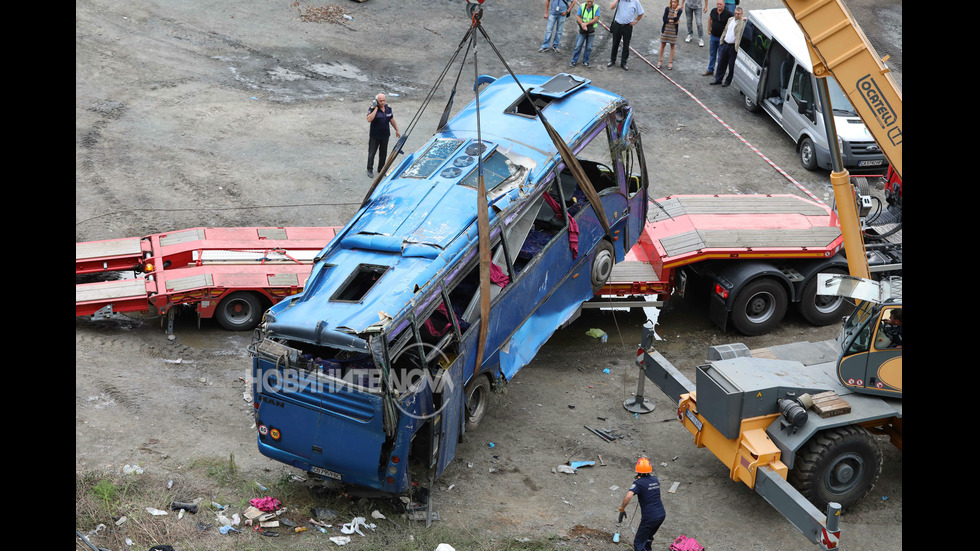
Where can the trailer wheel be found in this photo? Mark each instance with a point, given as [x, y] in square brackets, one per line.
[477, 394]
[821, 309]
[239, 311]
[840, 465]
[759, 307]
[602, 265]
[808, 154]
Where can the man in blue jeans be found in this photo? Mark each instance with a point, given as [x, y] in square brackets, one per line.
[555, 11]
[587, 19]
[717, 20]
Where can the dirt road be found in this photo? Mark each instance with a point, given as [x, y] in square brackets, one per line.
[224, 113]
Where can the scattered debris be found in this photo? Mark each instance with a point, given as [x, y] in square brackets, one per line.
[156, 512]
[354, 526]
[132, 469]
[189, 507]
[673, 487]
[267, 504]
[324, 14]
[340, 540]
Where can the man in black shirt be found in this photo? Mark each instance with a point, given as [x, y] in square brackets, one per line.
[717, 19]
[380, 116]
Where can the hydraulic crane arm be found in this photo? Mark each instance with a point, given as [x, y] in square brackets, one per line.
[838, 47]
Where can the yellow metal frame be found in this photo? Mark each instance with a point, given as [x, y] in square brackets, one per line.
[839, 47]
[743, 455]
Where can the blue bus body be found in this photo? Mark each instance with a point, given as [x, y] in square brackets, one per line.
[374, 362]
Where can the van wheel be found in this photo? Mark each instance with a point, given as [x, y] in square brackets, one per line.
[808, 154]
[239, 311]
[750, 105]
[821, 309]
[477, 394]
[759, 307]
[602, 265]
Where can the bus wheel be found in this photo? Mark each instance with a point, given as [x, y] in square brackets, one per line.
[840, 465]
[821, 309]
[477, 398]
[759, 307]
[602, 265]
[239, 311]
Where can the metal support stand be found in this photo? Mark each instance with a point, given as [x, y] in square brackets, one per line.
[638, 404]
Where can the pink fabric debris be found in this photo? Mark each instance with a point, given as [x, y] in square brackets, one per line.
[267, 504]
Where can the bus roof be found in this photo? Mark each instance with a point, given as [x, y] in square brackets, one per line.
[422, 217]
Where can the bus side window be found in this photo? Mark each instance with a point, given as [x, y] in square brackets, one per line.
[406, 351]
[596, 159]
[439, 335]
[464, 297]
[536, 228]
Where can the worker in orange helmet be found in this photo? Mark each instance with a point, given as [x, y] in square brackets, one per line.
[646, 487]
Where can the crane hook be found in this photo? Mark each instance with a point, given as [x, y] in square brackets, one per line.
[475, 10]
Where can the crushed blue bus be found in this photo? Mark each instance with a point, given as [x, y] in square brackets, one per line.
[370, 372]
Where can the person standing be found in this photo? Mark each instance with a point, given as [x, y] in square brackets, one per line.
[379, 116]
[555, 11]
[717, 19]
[587, 19]
[693, 10]
[646, 487]
[730, 38]
[668, 33]
[626, 14]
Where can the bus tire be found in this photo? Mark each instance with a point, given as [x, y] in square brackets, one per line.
[759, 307]
[838, 465]
[602, 265]
[477, 394]
[239, 311]
[821, 309]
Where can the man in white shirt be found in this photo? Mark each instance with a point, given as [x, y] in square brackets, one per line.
[730, 38]
[626, 14]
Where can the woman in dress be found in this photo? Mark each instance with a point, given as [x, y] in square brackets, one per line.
[668, 33]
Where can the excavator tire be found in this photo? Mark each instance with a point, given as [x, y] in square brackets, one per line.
[838, 465]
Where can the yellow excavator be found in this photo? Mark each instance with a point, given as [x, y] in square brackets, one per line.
[796, 422]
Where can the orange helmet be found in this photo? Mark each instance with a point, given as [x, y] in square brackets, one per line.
[643, 465]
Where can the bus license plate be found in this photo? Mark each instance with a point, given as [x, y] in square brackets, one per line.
[870, 163]
[325, 472]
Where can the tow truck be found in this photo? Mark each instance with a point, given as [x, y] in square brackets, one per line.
[796, 422]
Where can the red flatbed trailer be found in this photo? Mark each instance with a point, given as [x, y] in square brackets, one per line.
[733, 240]
[229, 273]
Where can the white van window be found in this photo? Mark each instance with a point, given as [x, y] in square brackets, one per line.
[754, 43]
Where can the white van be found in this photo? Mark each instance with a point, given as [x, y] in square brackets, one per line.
[773, 72]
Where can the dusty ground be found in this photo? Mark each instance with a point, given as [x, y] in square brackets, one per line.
[223, 113]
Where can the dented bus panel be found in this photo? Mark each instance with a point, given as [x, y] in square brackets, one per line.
[371, 370]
